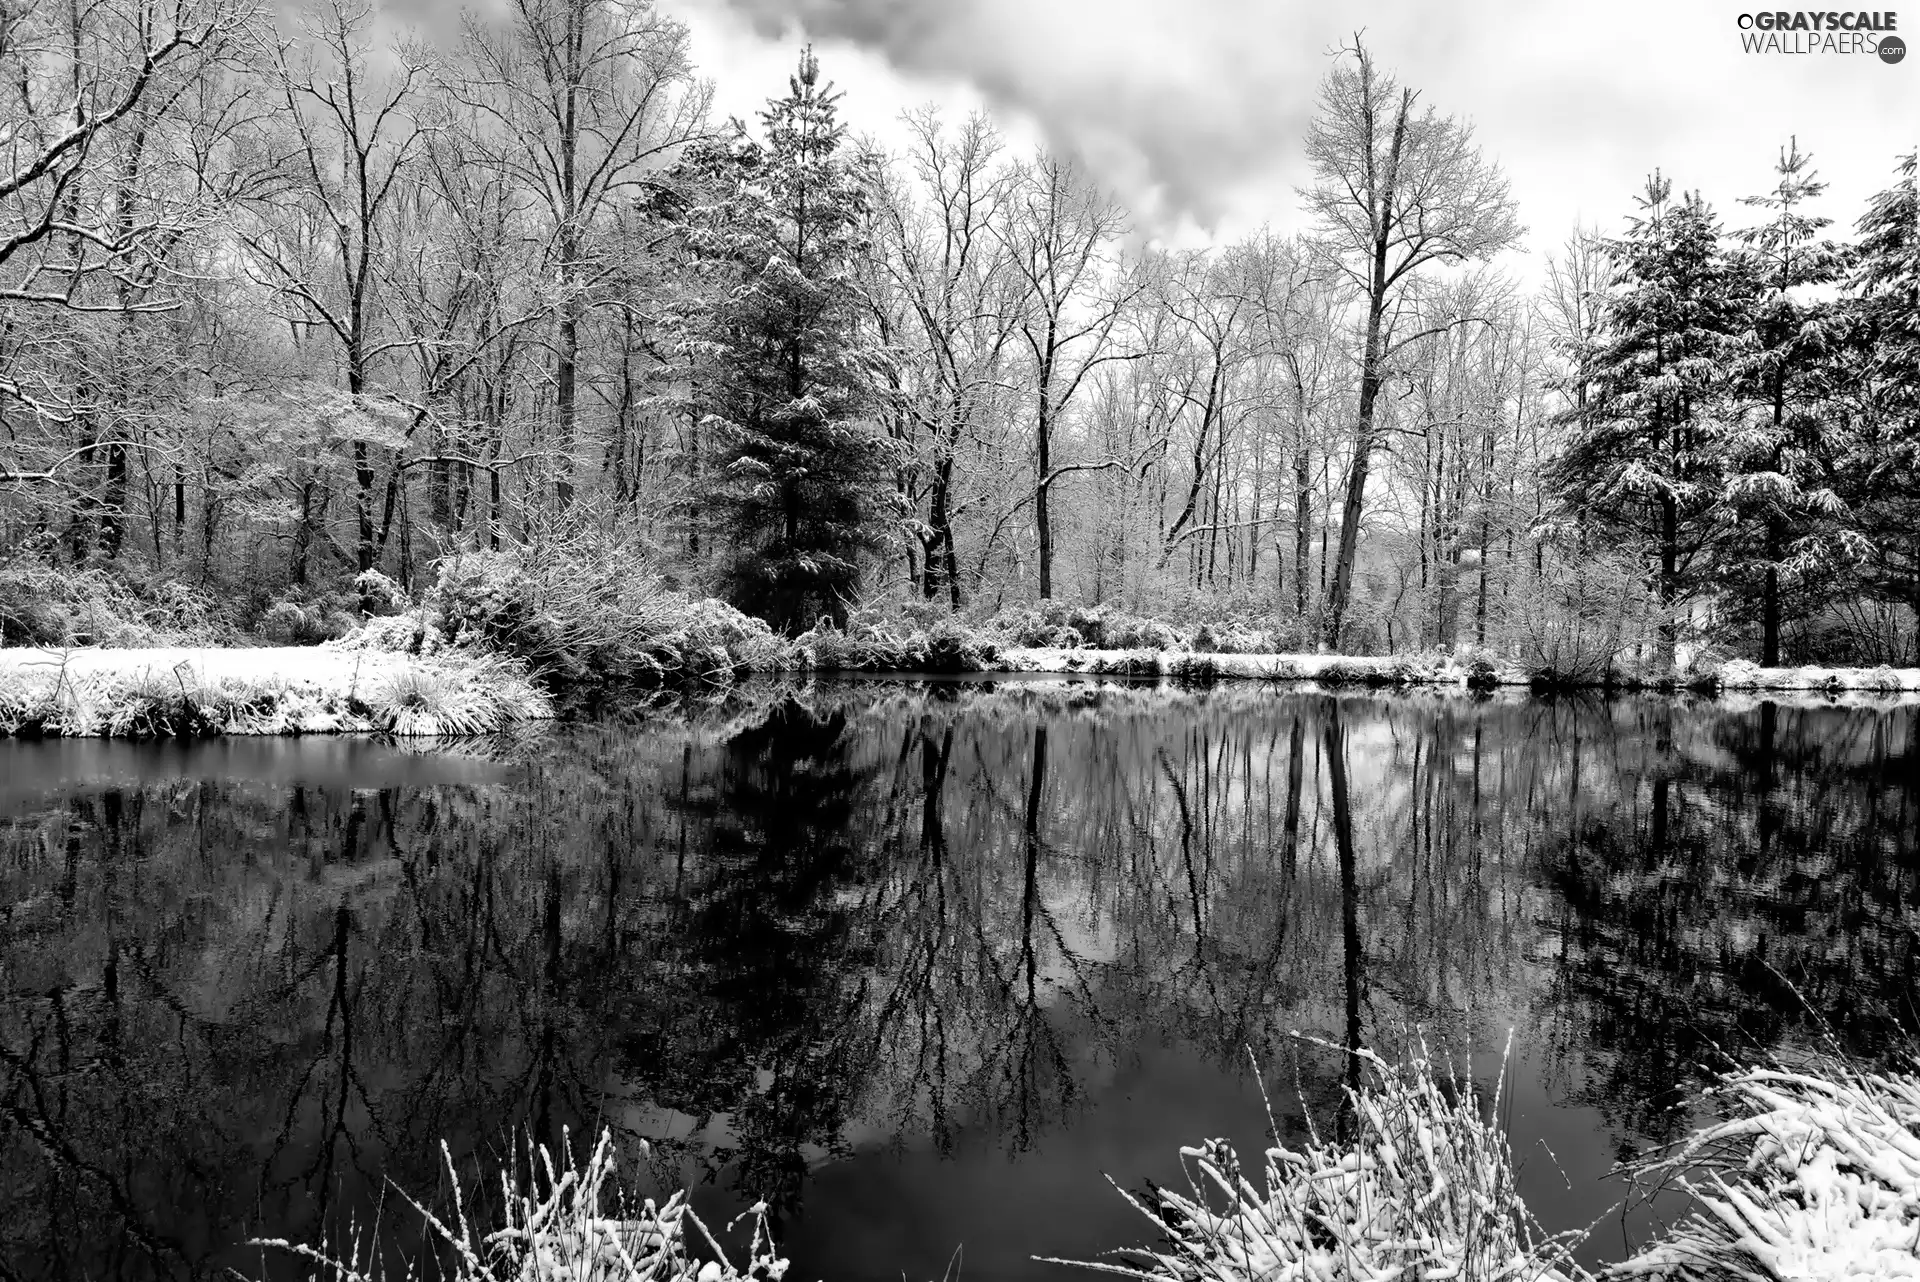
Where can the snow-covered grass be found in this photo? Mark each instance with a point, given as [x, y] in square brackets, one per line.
[1435, 669]
[1816, 1177]
[1329, 669]
[1423, 1188]
[1742, 675]
[575, 1225]
[270, 690]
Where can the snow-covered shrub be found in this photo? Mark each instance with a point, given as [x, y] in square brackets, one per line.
[47, 605]
[299, 621]
[574, 615]
[952, 647]
[1817, 1175]
[1043, 623]
[1195, 665]
[1344, 672]
[379, 593]
[1132, 632]
[573, 1223]
[1228, 637]
[1423, 1188]
[1882, 680]
[1479, 667]
[1572, 624]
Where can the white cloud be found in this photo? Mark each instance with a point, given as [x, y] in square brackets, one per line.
[1194, 111]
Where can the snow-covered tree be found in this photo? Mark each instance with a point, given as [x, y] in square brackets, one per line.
[1647, 460]
[1776, 492]
[785, 374]
[1878, 390]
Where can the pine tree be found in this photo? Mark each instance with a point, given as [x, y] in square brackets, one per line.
[785, 376]
[1646, 461]
[1775, 494]
[1877, 393]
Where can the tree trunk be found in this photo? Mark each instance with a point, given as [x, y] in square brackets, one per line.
[1042, 522]
[1669, 581]
[302, 535]
[1351, 510]
[113, 504]
[942, 569]
[1373, 357]
[363, 506]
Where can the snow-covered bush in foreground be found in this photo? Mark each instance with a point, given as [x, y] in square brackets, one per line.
[1818, 1177]
[575, 1225]
[1423, 1189]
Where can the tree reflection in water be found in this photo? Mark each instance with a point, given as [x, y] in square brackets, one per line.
[790, 933]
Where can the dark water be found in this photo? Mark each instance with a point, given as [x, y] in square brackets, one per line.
[918, 964]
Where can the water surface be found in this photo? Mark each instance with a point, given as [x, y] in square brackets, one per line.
[917, 963]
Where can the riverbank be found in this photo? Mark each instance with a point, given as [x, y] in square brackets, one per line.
[1433, 669]
[329, 689]
[269, 690]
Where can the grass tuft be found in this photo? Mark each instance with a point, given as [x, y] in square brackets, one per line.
[1422, 1188]
[1816, 1176]
[574, 1223]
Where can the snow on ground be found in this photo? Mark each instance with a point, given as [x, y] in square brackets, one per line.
[270, 690]
[202, 666]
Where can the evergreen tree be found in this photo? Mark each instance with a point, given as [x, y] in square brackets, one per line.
[1776, 494]
[1646, 461]
[1877, 389]
[785, 376]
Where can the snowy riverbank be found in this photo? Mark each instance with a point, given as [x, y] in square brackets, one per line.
[265, 691]
[1428, 669]
[269, 690]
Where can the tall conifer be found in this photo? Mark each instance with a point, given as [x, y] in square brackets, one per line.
[1647, 460]
[784, 371]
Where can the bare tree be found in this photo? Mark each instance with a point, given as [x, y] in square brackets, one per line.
[89, 219]
[1394, 191]
[954, 279]
[1063, 235]
[581, 103]
[323, 240]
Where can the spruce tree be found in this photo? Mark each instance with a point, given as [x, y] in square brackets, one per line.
[1645, 462]
[1877, 393]
[785, 376]
[1776, 494]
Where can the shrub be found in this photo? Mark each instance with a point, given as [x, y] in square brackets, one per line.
[1480, 667]
[588, 616]
[1231, 638]
[1343, 672]
[1132, 632]
[42, 604]
[1882, 679]
[1572, 625]
[297, 621]
[1192, 666]
[950, 647]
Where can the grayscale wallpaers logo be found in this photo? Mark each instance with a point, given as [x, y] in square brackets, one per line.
[1830, 32]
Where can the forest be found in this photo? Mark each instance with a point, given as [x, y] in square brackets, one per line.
[304, 318]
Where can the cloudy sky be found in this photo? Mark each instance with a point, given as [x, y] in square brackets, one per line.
[1194, 109]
